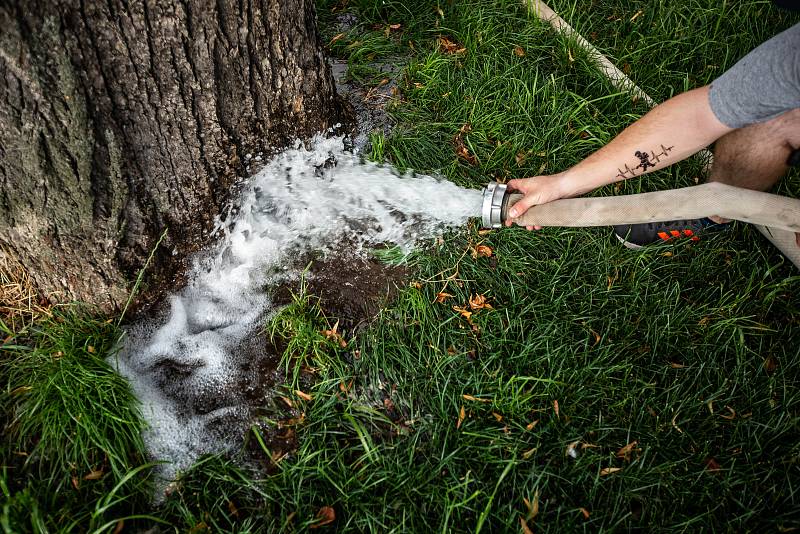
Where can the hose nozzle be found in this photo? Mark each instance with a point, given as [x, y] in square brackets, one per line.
[494, 206]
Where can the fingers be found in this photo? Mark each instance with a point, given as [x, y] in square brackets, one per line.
[523, 205]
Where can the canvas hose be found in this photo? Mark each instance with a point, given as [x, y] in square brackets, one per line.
[780, 214]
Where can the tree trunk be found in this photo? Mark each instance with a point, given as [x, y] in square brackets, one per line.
[121, 118]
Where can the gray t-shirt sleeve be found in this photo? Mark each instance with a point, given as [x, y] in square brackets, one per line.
[762, 85]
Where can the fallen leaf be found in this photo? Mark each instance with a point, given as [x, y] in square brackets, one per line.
[463, 152]
[637, 15]
[466, 128]
[395, 26]
[731, 416]
[482, 251]
[532, 424]
[484, 231]
[416, 285]
[325, 516]
[90, 349]
[527, 454]
[676, 365]
[475, 399]
[478, 302]
[569, 55]
[524, 524]
[232, 509]
[304, 396]
[461, 415]
[555, 408]
[75, 483]
[334, 335]
[119, 527]
[625, 452]
[520, 158]
[344, 388]
[497, 416]
[450, 47]
[585, 512]
[596, 338]
[287, 401]
[519, 51]
[770, 364]
[94, 475]
[533, 507]
[609, 470]
[442, 296]
[463, 311]
[712, 465]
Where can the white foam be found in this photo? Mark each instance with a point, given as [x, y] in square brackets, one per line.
[184, 367]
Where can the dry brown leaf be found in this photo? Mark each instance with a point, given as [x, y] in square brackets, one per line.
[344, 388]
[532, 424]
[75, 483]
[676, 365]
[463, 152]
[232, 509]
[482, 251]
[519, 51]
[712, 465]
[287, 401]
[609, 470]
[334, 335]
[770, 364]
[304, 396]
[524, 524]
[450, 47]
[555, 408]
[484, 231]
[466, 128]
[463, 311]
[441, 297]
[527, 454]
[475, 399]
[415, 285]
[520, 158]
[90, 349]
[95, 474]
[119, 527]
[625, 452]
[461, 416]
[337, 37]
[585, 512]
[325, 516]
[730, 416]
[497, 416]
[637, 15]
[478, 302]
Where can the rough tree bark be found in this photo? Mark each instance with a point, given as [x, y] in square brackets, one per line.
[120, 118]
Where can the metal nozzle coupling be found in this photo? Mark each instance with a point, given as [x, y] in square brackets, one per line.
[493, 209]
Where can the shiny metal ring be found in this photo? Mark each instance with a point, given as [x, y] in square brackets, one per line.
[492, 208]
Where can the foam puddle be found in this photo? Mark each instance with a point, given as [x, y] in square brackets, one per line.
[187, 367]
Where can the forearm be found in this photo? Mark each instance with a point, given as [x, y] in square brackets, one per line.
[669, 133]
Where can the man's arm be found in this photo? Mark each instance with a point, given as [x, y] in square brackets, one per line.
[669, 133]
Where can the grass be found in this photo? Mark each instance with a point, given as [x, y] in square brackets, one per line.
[604, 390]
[72, 451]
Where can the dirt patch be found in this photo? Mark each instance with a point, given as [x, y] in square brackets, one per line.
[351, 289]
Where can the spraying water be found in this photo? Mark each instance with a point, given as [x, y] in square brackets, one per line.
[187, 366]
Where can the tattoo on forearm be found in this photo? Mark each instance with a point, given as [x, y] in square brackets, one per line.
[645, 162]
